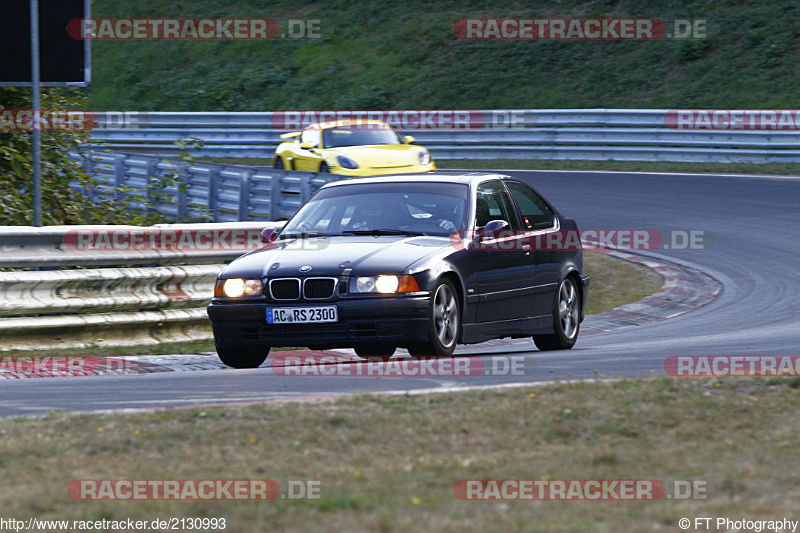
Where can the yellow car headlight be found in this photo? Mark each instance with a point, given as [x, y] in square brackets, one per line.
[346, 162]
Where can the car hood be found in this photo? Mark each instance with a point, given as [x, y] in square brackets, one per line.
[329, 256]
[382, 155]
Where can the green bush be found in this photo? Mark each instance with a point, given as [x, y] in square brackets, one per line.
[70, 195]
[61, 204]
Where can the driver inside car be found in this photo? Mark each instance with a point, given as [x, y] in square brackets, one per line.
[444, 214]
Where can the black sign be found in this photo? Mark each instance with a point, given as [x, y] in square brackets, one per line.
[64, 60]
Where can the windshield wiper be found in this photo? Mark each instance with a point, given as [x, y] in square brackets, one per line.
[384, 231]
[303, 235]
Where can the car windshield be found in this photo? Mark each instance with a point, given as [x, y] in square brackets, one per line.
[382, 209]
[346, 136]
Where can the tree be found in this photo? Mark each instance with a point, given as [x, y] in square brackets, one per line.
[62, 174]
[67, 188]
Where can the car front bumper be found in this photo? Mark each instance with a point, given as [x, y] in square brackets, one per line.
[371, 171]
[399, 321]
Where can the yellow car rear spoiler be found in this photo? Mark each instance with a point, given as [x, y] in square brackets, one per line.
[291, 135]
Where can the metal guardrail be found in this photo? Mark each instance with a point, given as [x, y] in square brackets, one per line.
[222, 193]
[143, 299]
[219, 193]
[49, 246]
[581, 134]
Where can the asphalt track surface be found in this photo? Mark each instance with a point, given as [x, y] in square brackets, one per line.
[755, 223]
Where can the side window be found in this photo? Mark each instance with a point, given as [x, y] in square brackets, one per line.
[493, 203]
[311, 136]
[535, 213]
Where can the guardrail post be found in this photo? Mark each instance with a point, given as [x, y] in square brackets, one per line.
[152, 170]
[275, 195]
[244, 194]
[305, 189]
[89, 165]
[119, 174]
[213, 192]
[184, 174]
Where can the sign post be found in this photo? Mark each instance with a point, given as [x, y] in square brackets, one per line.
[37, 132]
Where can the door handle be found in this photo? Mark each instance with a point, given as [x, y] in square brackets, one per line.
[526, 248]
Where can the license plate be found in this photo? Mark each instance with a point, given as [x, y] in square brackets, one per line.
[301, 315]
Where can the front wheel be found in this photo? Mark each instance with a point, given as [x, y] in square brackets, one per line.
[324, 169]
[278, 164]
[444, 322]
[566, 319]
[243, 356]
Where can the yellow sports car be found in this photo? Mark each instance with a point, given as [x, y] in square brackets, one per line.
[352, 148]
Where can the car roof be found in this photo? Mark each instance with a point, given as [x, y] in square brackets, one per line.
[466, 178]
[351, 122]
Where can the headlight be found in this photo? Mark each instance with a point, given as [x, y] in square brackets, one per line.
[386, 284]
[346, 162]
[238, 287]
[424, 158]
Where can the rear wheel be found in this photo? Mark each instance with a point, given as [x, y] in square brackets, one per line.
[444, 322]
[243, 356]
[566, 319]
[278, 164]
[383, 352]
[323, 168]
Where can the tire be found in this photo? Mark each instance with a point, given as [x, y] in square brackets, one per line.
[243, 356]
[566, 319]
[278, 164]
[324, 169]
[384, 352]
[443, 324]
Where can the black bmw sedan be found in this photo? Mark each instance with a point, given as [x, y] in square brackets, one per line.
[419, 262]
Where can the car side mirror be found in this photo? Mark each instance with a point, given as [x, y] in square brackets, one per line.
[410, 139]
[268, 235]
[306, 145]
[491, 228]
